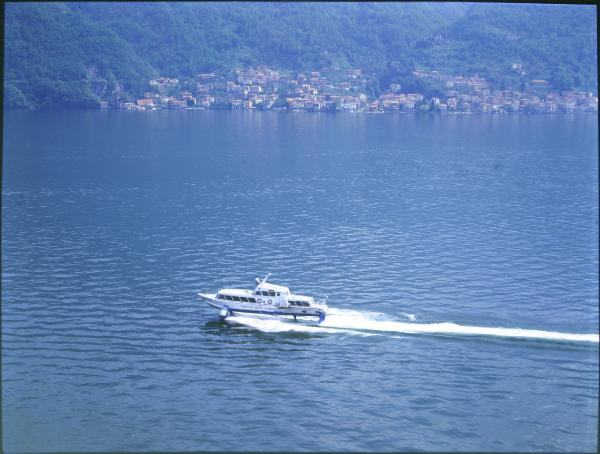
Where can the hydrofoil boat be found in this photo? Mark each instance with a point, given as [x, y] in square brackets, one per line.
[266, 298]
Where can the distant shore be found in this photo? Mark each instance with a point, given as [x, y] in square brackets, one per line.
[382, 112]
[351, 90]
[290, 111]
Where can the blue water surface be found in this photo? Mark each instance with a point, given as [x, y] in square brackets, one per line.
[414, 226]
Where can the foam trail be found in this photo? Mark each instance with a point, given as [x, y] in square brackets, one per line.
[348, 319]
[275, 325]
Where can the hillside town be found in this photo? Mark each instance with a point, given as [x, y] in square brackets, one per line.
[334, 90]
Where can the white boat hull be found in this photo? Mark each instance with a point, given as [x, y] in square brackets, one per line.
[231, 307]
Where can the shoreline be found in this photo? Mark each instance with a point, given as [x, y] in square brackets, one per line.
[290, 111]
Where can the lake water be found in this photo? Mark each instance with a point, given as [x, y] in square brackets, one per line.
[424, 232]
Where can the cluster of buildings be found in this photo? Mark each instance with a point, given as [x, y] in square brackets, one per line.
[475, 94]
[259, 88]
[346, 90]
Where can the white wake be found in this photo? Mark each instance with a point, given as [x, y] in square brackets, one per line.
[370, 323]
[278, 325]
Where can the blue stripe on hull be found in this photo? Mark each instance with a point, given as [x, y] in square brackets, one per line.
[233, 311]
[250, 311]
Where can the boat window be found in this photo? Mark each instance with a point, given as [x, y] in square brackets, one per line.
[257, 293]
[219, 296]
[244, 299]
[292, 303]
[236, 298]
[252, 300]
[227, 297]
[271, 292]
[278, 294]
[265, 293]
[305, 304]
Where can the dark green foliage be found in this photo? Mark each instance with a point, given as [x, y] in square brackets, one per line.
[13, 97]
[373, 89]
[57, 57]
[280, 103]
[552, 42]
[74, 54]
[412, 84]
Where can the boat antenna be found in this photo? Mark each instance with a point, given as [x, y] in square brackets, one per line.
[262, 281]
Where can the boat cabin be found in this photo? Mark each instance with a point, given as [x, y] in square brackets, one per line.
[271, 290]
[265, 293]
[267, 299]
[230, 294]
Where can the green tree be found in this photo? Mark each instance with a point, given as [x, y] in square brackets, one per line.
[14, 98]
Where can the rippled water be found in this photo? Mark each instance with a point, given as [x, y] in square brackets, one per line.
[459, 255]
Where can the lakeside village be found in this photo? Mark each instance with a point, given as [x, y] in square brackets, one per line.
[346, 90]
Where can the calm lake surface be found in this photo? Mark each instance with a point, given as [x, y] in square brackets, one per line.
[424, 231]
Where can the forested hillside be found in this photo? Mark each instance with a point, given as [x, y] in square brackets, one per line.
[73, 54]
